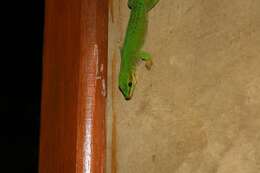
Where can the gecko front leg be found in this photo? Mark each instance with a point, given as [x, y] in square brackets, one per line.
[145, 56]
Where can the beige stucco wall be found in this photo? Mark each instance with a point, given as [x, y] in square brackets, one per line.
[198, 109]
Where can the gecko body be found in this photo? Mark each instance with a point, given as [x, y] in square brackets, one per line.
[131, 51]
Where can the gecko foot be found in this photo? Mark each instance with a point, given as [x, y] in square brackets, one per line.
[149, 64]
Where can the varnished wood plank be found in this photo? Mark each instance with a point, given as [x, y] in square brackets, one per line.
[74, 86]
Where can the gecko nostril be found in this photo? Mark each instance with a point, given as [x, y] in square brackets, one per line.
[130, 84]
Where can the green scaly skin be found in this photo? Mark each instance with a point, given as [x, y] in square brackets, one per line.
[131, 52]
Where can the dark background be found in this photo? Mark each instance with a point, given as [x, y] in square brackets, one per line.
[21, 74]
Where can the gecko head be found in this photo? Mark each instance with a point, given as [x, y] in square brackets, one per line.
[127, 84]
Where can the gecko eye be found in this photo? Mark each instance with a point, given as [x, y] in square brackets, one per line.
[130, 84]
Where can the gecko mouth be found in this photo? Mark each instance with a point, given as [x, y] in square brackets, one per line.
[128, 98]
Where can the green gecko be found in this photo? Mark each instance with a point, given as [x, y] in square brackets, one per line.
[131, 52]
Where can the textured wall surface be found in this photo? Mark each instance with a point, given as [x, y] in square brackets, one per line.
[198, 109]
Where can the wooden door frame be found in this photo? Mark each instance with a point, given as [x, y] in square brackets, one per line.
[72, 135]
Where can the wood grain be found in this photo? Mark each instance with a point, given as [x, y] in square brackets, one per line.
[74, 87]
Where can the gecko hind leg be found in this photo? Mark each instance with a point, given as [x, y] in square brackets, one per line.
[145, 56]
